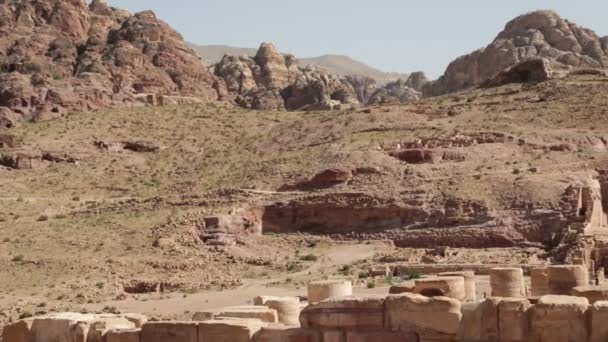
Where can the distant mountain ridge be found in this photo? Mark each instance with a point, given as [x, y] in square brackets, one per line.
[335, 64]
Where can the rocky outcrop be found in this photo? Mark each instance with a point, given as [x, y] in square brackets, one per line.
[57, 56]
[533, 70]
[272, 81]
[541, 34]
[394, 93]
[364, 86]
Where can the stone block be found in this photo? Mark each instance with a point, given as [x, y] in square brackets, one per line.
[507, 282]
[133, 335]
[559, 319]
[513, 319]
[169, 332]
[480, 321]
[408, 312]
[374, 336]
[333, 336]
[281, 333]
[345, 313]
[321, 290]
[451, 287]
[19, 331]
[599, 317]
[287, 309]
[592, 293]
[469, 283]
[236, 330]
[564, 278]
[263, 313]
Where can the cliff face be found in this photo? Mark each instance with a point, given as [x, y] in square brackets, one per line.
[60, 55]
[537, 34]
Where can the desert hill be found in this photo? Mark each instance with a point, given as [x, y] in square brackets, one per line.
[539, 34]
[334, 64]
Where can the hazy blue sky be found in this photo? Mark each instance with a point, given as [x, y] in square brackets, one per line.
[393, 35]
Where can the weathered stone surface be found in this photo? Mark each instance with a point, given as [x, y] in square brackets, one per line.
[66, 55]
[402, 288]
[133, 335]
[533, 70]
[272, 81]
[592, 293]
[343, 313]
[599, 316]
[65, 327]
[263, 313]
[394, 93]
[507, 282]
[564, 278]
[469, 283]
[559, 318]
[288, 310]
[321, 290]
[19, 331]
[374, 336]
[539, 281]
[322, 180]
[513, 319]
[229, 330]
[170, 332]
[451, 287]
[416, 313]
[287, 334]
[539, 34]
[480, 321]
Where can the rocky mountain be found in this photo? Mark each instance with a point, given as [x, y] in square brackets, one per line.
[59, 55]
[334, 64]
[537, 34]
[273, 81]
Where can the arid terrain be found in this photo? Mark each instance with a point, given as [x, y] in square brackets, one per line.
[72, 232]
[134, 178]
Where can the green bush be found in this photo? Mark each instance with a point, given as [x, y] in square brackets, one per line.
[363, 275]
[371, 284]
[411, 275]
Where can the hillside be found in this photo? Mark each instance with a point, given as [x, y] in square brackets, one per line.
[96, 200]
[335, 64]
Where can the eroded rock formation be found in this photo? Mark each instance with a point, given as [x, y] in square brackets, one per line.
[273, 81]
[57, 56]
[537, 34]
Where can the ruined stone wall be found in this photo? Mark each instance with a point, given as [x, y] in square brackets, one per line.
[405, 317]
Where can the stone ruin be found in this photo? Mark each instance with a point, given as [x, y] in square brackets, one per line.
[438, 308]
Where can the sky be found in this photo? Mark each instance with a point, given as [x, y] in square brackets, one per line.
[392, 35]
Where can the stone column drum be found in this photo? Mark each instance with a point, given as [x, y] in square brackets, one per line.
[320, 290]
[564, 278]
[288, 309]
[469, 283]
[451, 287]
[539, 278]
[507, 282]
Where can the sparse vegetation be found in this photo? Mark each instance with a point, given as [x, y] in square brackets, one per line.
[309, 257]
